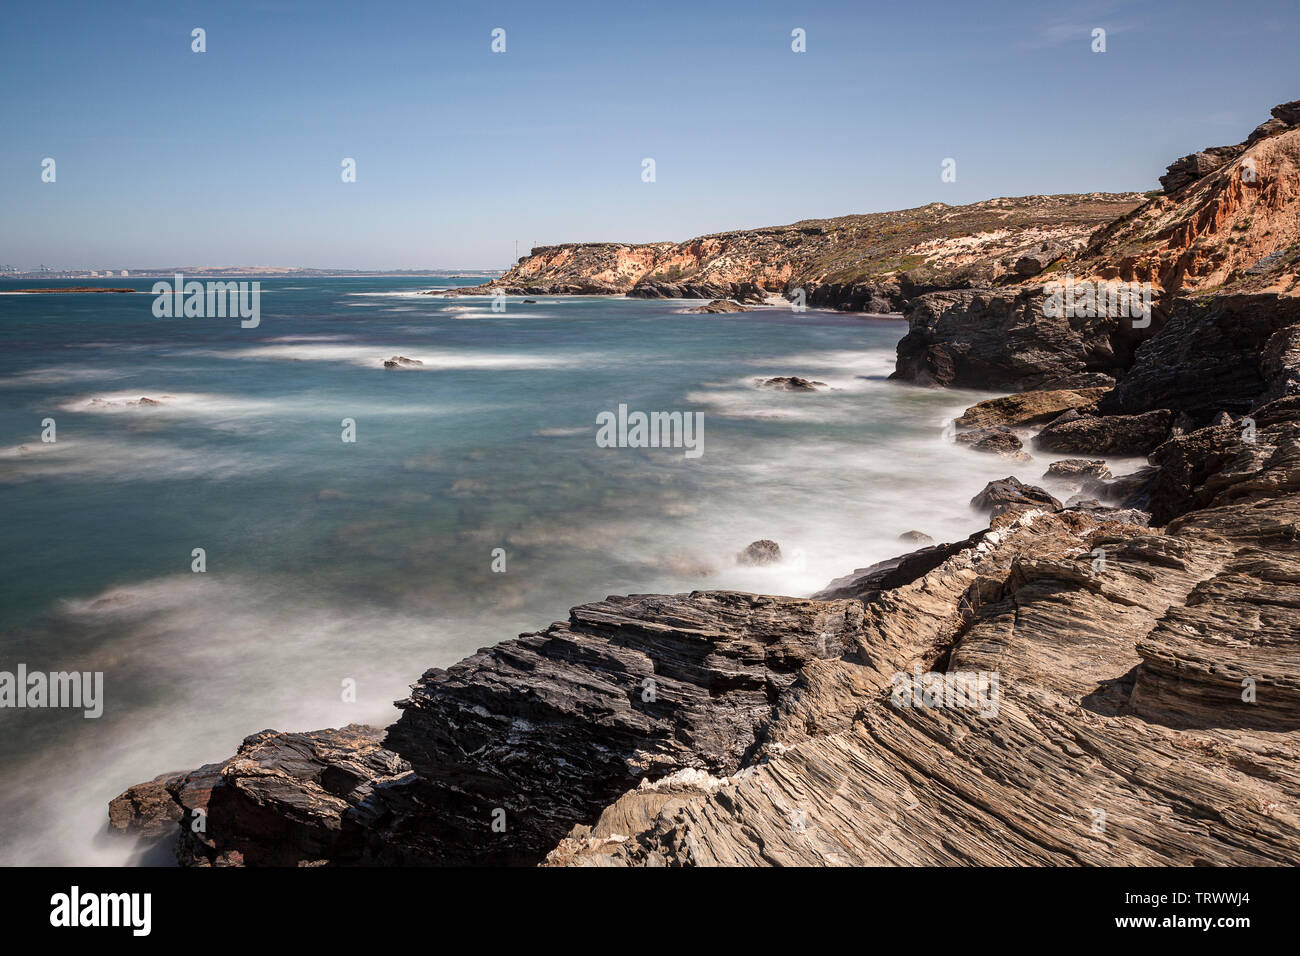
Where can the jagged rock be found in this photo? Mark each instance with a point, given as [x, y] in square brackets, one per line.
[1005, 340]
[867, 584]
[1189, 169]
[1288, 113]
[1028, 408]
[146, 809]
[1077, 468]
[762, 551]
[1207, 357]
[1011, 493]
[1096, 719]
[553, 726]
[1106, 434]
[999, 441]
[401, 361]
[1133, 489]
[790, 383]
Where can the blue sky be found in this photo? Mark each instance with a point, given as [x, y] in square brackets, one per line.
[233, 156]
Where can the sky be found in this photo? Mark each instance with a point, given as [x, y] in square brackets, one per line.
[234, 156]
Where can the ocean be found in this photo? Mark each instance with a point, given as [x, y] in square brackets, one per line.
[331, 564]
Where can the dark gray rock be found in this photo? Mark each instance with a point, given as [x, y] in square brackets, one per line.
[1106, 435]
[998, 440]
[790, 383]
[1008, 493]
[1207, 357]
[1069, 468]
[1194, 167]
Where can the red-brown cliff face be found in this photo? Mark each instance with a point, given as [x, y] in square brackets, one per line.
[1235, 227]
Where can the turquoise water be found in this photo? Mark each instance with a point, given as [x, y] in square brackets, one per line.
[372, 561]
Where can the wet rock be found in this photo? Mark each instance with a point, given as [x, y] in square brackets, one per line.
[1069, 468]
[720, 305]
[760, 552]
[146, 809]
[916, 537]
[1106, 434]
[1028, 408]
[790, 383]
[1010, 493]
[867, 584]
[999, 441]
[401, 361]
[1133, 489]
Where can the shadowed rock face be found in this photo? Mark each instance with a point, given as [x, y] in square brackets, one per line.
[1210, 357]
[1004, 340]
[1107, 434]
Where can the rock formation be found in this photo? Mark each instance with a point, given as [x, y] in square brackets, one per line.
[720, 305]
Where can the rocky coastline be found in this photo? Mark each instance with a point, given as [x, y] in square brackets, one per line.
[1142, 632]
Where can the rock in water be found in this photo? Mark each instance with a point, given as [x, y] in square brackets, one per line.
[790, 383]
[1011, 493]
[758, 552]
[1028, 408]
[999, 441]
[1077, 468]
[401, 361]
[720, 305]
